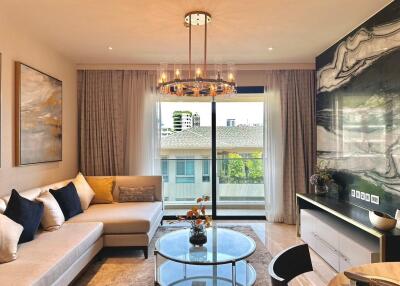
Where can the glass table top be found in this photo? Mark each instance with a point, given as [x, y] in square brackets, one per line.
[223, 246]
[173, 274]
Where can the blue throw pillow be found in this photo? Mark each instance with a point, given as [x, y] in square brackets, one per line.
[68, 199]
[25, 212]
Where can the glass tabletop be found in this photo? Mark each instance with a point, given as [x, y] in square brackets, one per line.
[223, 246]
[173, 274]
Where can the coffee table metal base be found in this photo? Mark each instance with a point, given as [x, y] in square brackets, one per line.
[174, 273]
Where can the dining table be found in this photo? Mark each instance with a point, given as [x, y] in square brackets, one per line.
[389, 271]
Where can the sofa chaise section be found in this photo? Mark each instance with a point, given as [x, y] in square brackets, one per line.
[125, 224]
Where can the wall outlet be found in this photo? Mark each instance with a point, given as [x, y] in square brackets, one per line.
[375, 199]
[353, 193]
[367, 197]
[358, 194]
[362, 196]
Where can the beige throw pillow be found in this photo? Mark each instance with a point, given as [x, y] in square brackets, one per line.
[85, 192]
[53, 217]
[10, 231]
[136, 194]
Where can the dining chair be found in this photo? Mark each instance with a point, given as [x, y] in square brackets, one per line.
[290, 263]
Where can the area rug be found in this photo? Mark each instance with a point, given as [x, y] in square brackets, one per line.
[124, 266]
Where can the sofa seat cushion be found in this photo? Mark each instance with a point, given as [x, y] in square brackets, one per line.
[43, 260]
[122, 218]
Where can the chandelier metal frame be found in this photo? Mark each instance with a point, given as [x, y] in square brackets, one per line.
[198, 84]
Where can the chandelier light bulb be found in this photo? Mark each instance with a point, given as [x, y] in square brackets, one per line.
[177, 74]
[198, 72]
[163, 77]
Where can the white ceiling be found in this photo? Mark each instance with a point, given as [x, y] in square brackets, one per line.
[152, 31]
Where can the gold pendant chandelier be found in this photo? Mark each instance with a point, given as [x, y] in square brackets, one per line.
[198, 79]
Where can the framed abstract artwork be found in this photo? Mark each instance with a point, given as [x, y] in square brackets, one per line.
[38, 116]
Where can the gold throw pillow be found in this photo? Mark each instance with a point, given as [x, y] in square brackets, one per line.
[103, 189]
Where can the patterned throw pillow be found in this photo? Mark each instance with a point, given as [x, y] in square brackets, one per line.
[136, 194]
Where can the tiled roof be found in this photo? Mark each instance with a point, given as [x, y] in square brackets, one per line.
[227, 137]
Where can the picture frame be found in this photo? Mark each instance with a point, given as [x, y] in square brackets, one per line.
[38, 116]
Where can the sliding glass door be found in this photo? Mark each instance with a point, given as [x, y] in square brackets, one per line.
[185, 153]
[240, 164]
[231, 128]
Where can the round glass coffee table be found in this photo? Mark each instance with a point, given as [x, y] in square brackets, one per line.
[221, 261]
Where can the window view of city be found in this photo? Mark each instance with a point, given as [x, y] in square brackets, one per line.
[186, 155]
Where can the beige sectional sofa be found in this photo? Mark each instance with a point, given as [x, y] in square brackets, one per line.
[57, 257]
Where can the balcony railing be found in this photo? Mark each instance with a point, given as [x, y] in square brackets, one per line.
[239, 181]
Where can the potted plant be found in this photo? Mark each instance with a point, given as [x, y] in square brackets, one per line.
[321, 179]
[199, 221]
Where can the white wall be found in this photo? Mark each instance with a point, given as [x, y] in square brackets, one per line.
[17, 45]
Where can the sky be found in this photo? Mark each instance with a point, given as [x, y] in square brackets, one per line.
[247, 113]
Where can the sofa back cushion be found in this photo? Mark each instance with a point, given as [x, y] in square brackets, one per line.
[55, 186]
[68, 200]
[31, 194]
[26, 213]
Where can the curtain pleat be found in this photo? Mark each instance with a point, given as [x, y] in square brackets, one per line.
[297, 94]
[273, 150]
[112, 120]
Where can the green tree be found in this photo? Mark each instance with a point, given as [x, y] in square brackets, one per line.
[255, 167]
[236, 167]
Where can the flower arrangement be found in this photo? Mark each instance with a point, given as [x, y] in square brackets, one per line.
[322, 176]
[196, 216]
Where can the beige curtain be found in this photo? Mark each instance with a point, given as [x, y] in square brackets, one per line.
[141, 144]
[117, 122]
[273, 149]
[297, 95]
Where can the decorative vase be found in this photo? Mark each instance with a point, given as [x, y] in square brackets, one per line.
[198, 235]
[321, 190]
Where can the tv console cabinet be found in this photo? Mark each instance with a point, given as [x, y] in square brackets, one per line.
[334, 211]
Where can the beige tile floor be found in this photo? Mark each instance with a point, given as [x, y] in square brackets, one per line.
[278, 237]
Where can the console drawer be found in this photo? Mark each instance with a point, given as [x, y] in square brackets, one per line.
[314, 233]
[357, 250]
[307, 227]
[327, 252]
[340, 245]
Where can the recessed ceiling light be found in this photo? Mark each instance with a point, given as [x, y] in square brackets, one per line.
[270, 48]
[110, 48]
